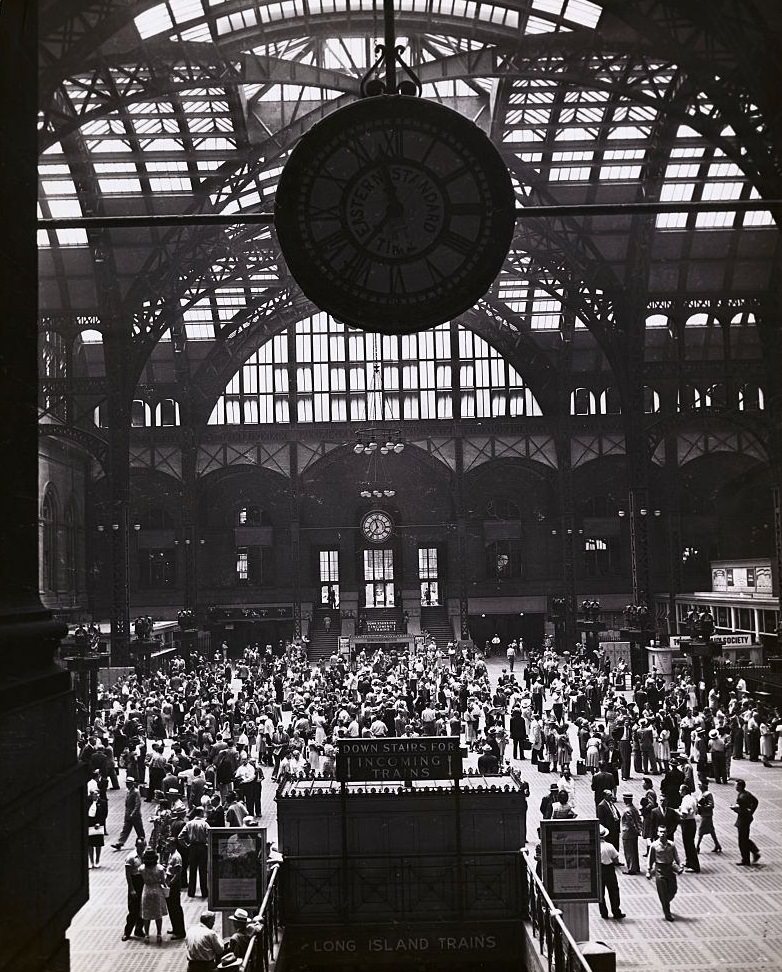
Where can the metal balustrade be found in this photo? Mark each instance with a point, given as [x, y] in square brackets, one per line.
[555, 943]
[265, 943]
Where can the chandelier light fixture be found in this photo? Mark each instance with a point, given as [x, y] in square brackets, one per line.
[377, 441]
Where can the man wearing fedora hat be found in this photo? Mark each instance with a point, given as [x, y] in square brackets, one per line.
[488, 763]
[547, 802]
[239, 942]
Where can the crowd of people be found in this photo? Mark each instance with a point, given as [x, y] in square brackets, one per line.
[198, 742]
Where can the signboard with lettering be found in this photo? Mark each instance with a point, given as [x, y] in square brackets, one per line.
[237, 867]
[344, 646]
[726, 640]
[571, 859]
[397, 943]
[398, 758]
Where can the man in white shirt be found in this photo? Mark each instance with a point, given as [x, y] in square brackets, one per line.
[609, 861]
[688, 810]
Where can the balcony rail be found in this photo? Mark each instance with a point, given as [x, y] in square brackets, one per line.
[265, 943]
[555, 943]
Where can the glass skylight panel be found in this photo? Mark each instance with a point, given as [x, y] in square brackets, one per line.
[583, 12]
[758, 217]
[200, 32]
[119, 186]
[185, 10]
[722, 190]
[537, 25]
[620, 172]
[714, 219]
[153, 21]
[553, 7]
[671, 220]
[677, 191]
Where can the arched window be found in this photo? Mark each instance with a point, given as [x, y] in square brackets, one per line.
[689, 398]
[167, 413]
[657, 320]
[751, 398]
[610, 402]
[49, 551]
[697, 320]
[582, 402]
[716, 396]
[140, 414]
[651, 401]
[346, 375]
[101, 416]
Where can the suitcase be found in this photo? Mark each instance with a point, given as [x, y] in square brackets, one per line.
[581, 768]
[544, 766]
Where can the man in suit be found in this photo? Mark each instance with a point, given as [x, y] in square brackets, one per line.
[632, 828]
[603, 780]
[548, 801]
[625, 741]
[745, 806]
[665, 816]
[671, 784]
[608, 815]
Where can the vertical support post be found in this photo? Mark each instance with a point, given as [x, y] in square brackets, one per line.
[119, 477]
[36, 694]
[565, 485]
[295, 538]
[639, 543]
[390, 45]
[190, 526]
[461, 540]
[777, 493]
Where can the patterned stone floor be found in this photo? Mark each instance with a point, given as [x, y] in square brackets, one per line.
[729, 919]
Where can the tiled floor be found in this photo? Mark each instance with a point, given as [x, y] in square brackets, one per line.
[729, 918]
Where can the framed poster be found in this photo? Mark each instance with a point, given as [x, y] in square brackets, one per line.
[237, 867]
[571, 859]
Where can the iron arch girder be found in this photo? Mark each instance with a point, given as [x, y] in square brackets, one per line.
[727, 44]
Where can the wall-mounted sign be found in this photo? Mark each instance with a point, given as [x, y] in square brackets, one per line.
[571, 859]
[398, 758]
[237, 867]
[727, 640]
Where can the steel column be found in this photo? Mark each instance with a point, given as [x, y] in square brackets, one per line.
[295, 539]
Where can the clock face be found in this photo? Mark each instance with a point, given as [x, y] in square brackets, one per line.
[377, 526]
[395, 214]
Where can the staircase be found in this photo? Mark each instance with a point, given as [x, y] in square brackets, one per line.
[435, 621]
[323, 643]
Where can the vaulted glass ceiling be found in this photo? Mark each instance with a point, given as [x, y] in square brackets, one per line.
[193, 105]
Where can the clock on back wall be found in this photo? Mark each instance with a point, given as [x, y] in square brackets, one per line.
[395, 214]
[377, 526]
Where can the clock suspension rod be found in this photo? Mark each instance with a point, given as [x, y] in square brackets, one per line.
[524, 212]
[389, 38]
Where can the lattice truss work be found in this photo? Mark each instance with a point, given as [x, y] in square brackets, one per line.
[192, 106]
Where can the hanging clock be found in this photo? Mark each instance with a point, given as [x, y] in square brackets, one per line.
[377, 526]
[395, 214]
